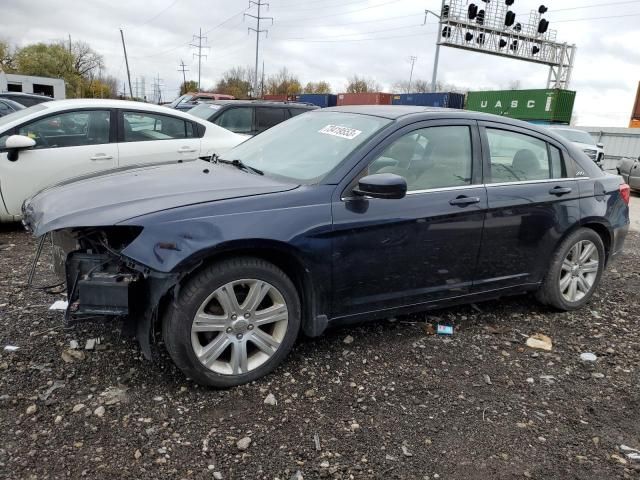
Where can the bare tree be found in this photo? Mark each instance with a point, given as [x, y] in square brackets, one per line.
[283, 83]
[417, 86]
[85, 59]
[357, 84]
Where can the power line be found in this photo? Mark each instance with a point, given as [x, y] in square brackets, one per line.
[258, 18]
[199, 46]
[158, 14]
[403, 27]
[388, 19]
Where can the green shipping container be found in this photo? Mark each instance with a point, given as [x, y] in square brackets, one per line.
[546, 105]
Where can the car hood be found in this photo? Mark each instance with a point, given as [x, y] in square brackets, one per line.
[585, 146]
[113, 197]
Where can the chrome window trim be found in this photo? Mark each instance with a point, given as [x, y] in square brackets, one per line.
[527, 182]
[475, 185]
[444, 189]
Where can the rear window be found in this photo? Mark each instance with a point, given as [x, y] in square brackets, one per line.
[21, 114]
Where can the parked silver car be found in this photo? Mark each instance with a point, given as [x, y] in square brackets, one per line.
[629, 168]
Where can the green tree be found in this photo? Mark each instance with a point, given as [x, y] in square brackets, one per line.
[357, 84]
[7, 57]
[283, 83]
[236, 82]
[188, 86]
[317, 87]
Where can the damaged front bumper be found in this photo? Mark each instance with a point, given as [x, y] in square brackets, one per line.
[102, 283]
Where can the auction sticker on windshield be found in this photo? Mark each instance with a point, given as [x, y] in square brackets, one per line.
[342, 132]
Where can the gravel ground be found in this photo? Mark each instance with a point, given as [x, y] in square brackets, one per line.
[383, 400]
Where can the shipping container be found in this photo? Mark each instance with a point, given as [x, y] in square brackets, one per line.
[634, 123]
[281, 98]
[322, 100]
[446, 99]
[550, 105]
[370, 98]
[635, 113]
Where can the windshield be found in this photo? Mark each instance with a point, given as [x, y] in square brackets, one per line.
[307, 147]
[204, 110]
[577, 136]
[183, 98]
[20, 114]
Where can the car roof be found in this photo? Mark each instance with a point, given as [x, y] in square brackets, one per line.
[266, 103]
[57, 105]
[25, 95]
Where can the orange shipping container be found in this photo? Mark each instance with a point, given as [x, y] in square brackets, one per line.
[634, 123]
[635, 114]
[376, 98]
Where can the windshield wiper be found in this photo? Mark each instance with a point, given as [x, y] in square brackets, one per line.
[239, 164]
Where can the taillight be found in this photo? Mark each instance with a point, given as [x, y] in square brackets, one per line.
[625, 192]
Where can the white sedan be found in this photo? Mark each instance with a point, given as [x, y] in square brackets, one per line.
[55, 141]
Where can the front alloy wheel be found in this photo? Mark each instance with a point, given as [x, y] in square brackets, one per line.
[233, 322]
[239, 327]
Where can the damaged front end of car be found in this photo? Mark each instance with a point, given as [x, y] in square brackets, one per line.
[102, 283]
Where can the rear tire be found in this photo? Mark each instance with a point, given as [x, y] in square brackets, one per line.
[575, 271]
[233, 322]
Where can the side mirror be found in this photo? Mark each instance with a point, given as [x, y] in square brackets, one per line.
[600, 145]
[382, 185]
[15, 143]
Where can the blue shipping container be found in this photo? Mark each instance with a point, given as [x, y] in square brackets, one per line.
[446, 100]
[320, 99]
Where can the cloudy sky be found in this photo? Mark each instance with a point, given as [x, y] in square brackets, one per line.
[334, 39]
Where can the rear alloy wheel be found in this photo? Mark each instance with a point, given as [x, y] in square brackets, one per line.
[575, 271]
[234, 322]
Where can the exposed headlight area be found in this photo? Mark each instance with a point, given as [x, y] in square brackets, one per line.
[99, 279]
[592, 154]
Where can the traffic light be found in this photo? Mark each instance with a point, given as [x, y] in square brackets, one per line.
[472, 11]
[543, 26]
[446, 32]
[509, 19]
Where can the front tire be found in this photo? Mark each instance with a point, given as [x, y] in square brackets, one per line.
[575, 271]
[233, 322]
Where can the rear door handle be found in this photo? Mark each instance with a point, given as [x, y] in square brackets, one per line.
[560, 191]
[99, 157]
[463, 200]
[186, 150]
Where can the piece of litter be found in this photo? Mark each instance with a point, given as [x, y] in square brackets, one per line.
[59, 305]
[444, 329]
[73, 345]
[588, 357]
[11, 348]
[540, 342]
[91, 344]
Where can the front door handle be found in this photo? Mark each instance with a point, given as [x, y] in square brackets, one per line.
[186, 150]
[463, 200]
[101, 156]
[560, 191]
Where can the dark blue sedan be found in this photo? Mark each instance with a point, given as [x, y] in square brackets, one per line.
[340, 214]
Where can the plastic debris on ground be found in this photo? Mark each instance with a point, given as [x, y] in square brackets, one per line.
[59, 305]
[539, 341]
[11, 348]
[444, 329]
[588, 357]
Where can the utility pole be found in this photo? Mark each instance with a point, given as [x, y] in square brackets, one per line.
[199, 46]
[434, 77]
[126, 61]
[183, 68]
[262, 82]
[412, 60]
[258, 18]
[69, 43]
[157, 89]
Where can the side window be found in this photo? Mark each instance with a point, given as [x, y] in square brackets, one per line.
[70, 129]
[558, 167]
[142, 126]
[434, 157]
[3, 139]
[297, 111]
[269, 117]
[517, 158]
[239, 120]
[4, 109]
